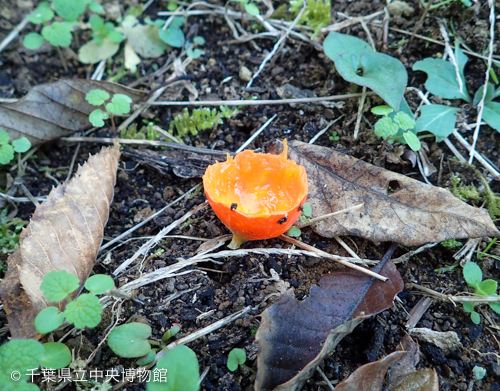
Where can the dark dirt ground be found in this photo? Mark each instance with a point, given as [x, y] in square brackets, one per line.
[228, 287]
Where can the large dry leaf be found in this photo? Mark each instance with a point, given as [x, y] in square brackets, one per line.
[396, 208]
[56, 109]
[294, 337]
[65, 233]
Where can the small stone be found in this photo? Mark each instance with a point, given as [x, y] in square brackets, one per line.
[245, 74]
[447, 341]
[400, 8]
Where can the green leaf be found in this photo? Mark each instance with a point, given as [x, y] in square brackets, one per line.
[85, 311]
[99, 283]
[252, 9]
[43, 13]
[147, 359]
[96, 23]
[490, 90]
[306, 209]
[56, 355]
[4, 137]
[437, 119]
[382, 110]
[58, 34]
[69, 9]
[337, 43]
[385, 128]
[145, 40]
[19, 355]
[172, 36]
[442, 79]
[6, 153]
[472, 274]
[412, 140]
[474, 316]
[97, 97]
[495, 306]
[178, 21]
[404, 121]
[294, 232]
[48, 320]
[199, 40]
[236, 357]
[120, 104]
[384, 74]
[130, 340]
[468, 306]
[96, 7]
[194, 54]
[57, 285]
[181, 365]
[21, 145]
[115, 37]
[33, 41]
[97, 118]
[488, 287]
[94, 51]
[491, 114]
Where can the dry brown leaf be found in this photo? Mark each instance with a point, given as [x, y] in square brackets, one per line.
[54, 110]
[294, 337]
[65, 233]
[397, 208]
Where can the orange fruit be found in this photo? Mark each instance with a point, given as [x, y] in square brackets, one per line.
[256, 195]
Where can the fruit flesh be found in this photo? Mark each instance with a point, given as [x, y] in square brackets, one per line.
[257, 196]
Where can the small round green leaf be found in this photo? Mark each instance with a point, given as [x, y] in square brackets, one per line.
[385, 128]
[69, 9]
[404, 121]
[48, 320]
[97, 118]
[96, 23]
[199, 40]
[57, 285]
[294, 232]
[43, 13]
[130, 340]
[147, 359]
[474, 316]
[194, 54]
[99, 283]
[488, 287]
[172, 6]
[236, 357]
[495, 306]
[6, 153]
[21, 145]
[412, 140]
[96, 7]
[56, 355]
[115, 36]
[85, 311]
[468, 306]
[4, 137]
[307, 210]
[382, 110]
[120, 104]
[97, 97]
[252, 9]
[173, 36]
[33, 41]
[96, 50]
[58, 34]
[473, 274]
[180, 365]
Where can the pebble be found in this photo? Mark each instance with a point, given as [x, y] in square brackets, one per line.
[245, 74]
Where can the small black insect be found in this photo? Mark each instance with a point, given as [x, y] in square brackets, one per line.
[283, 220]
[234, 205]
[301, 208]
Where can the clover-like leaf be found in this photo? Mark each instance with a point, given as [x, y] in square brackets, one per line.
[58, 34]
[4, 137]
[21, 144]
[173, 36]
[33, 41]
[48, 320]
[21, 355]
[491, 114]
[182, 368]
[472, 274]
[195, 53]
[57, 285]
[43, 13]
[69, 9]
[199, 40]
[385, 128]
[236, 357]
[120, 104]
[97, 97]
[99, 283]
[306, 209]
[437, 119]
[56, 355]
[130, 340]
[85, 311]
[294, 232]
[404, 121]
[412, 140]
[97, 118]
[6, 154]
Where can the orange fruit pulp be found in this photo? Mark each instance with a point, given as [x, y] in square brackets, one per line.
[256, 195]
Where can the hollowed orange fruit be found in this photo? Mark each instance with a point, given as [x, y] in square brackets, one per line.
[256, 195]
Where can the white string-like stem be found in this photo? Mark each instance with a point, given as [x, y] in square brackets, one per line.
[449, 53]
[486, 80]
[13, 34]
